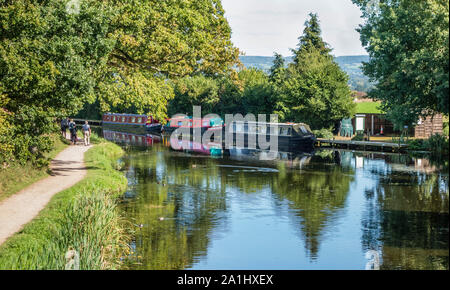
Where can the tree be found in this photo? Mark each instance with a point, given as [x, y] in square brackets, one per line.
[257, 94]
[194, 91]
[314, 90]
[49, 63]
[111, 55]
[251, 92]
[277, 67]
[311, 39]
[408, 44]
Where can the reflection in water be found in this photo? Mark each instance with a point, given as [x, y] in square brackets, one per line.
[407, 216]
[265, 210]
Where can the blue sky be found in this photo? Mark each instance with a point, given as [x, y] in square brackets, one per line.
[261, 27]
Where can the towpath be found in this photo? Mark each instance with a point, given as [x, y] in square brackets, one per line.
[16, 211]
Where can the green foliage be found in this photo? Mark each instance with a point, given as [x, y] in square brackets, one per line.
[114, 55]
[173, 38]
[408, 44]
[324, 133]
[84, 217]
[49, 61]
[257, 95]
[314, 89]
[416, 145]
[194, 91]
[276, 71]
[311, 39]
[250, 92]
[438, 145]
[358, 137]
[445, 126]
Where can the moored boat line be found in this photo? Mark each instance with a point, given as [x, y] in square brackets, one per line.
[131, 121]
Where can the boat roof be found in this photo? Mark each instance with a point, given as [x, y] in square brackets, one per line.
[131, 115]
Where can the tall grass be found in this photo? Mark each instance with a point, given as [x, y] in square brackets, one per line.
[84, 218]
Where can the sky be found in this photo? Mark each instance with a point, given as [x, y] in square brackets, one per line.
[262, 27]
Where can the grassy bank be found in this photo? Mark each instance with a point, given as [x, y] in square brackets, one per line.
[84, 218]
[17, 176]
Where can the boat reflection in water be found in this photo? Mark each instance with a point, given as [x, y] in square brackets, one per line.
[131, 138]
[210, 148]
[291, 159]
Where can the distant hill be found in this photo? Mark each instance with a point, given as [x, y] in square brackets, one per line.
[350, 64]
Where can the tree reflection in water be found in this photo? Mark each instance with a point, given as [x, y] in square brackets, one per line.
[406, 216]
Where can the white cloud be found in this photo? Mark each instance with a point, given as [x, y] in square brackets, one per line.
[261, 27]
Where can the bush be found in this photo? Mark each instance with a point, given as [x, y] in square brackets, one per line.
[416, 145]
[324, 133]
[437, 144]
[358, 137]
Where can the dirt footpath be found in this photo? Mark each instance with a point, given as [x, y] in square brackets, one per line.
[67, 169]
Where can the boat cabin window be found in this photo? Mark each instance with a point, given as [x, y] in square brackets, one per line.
[123, 119]
[139, 120]
[303, 129]
[133, 120]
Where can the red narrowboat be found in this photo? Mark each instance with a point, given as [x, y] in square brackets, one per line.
[127, 122]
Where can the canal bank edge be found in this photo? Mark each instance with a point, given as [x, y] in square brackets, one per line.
[83, 218]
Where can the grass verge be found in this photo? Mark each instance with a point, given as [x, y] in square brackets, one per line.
[84, 218]
[16, 177]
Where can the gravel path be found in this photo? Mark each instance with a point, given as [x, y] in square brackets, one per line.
[67, 169]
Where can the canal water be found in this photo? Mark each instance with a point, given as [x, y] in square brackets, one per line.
[323, 210]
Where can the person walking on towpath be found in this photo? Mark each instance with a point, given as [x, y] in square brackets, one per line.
[73, 132]
[87, 133]
[64, 126]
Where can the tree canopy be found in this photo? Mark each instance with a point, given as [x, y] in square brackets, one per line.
[408, 44]
[313, 89]
[117, 55]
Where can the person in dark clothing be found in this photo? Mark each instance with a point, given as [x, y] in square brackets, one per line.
[73, 132]
[64, 126]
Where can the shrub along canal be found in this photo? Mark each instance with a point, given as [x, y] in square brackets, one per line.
[327, 210]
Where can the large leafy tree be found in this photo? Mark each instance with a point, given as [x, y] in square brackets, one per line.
[49, 63]
[117, 55]
[172, 37]
[408, 44]
[249, 92]
[159, 40]
[314, 89]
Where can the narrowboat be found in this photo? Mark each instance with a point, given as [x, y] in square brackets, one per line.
[131, 123]
[291, 136]
[188, 122]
